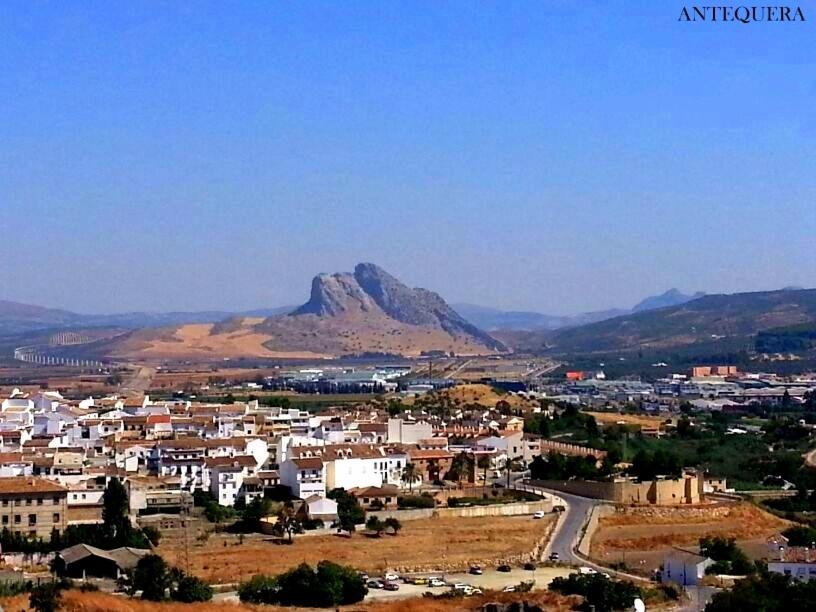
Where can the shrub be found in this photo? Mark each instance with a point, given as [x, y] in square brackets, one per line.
[45, 597]
[259, 589]
[416, 501]
[190, 589]
[599, 592]
[327, 586]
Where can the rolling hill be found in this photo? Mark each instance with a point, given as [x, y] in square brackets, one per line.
[710, 320]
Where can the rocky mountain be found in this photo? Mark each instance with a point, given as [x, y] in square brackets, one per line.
[713, 321]
[365, 311]
[494, 319]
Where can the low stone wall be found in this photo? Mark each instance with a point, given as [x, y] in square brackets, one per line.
[513, 509]
[585, 537]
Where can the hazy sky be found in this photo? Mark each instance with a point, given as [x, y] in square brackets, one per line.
[551, 155]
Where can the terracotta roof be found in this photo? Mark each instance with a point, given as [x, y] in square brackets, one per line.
[429, 454]
[158, 418]
[12, 458]
[308, 463]
[239, 461]
[26, 484]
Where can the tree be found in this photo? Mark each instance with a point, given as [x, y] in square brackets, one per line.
[768, 592]
[254, 512]
[484, 464]
[409, 474]
[393, 524]
[152, 577]
[288, 522]
[376, 525]
[349, 510]
[461, 467]
[45, 597]
[115, 506]
[152, 534]
[190, 589]
[599, 592]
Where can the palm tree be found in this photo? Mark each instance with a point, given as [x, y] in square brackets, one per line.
[510, 465]
[484, 463]
[410, 473]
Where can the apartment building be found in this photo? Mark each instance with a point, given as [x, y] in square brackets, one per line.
[32, 506]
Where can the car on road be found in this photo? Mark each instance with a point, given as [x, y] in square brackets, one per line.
[586, 571]
[530, 567]
[554, 557]
[391, 576]
[559, 508]
[504, 568]
[374, 584]
[539, 515]
[436, 582]
[476, 570]
[390, 586]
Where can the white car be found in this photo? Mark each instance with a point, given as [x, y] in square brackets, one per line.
[509, 589]
[436, 582]
[391, 576]
[538, 515]
[586, 571]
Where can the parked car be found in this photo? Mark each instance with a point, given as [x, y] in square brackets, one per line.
[586, 571]
[509, 589]
[436, 582]
[364, 576]
[475, 569]
[417, 580]
[391, 576]
[554, 556]
[374, 584]
[461, 586]
[530, 567]
[391, 586]
[504, 568]
[539, 515]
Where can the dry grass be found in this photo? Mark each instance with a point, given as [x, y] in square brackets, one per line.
[423, 544]
[629, 419]
[481, 394]
[75, 601]
[649, 529]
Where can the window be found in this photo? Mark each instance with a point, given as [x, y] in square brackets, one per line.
[56, 517]
[32, 519]
[17, 519]
[5, 519]
[39, 501]
[56, 499]
[5, 503]
[28, 501]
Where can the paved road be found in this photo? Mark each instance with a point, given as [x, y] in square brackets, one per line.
[570, 523]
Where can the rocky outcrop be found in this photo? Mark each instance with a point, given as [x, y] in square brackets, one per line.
[370, 289]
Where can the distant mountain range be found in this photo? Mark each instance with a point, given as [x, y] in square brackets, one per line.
[494, 319]
[21, 318]
[713, 322]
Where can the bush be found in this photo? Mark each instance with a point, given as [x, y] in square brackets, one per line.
[152, 577]
[313, 523]
[599, 592]
[45, 597]
[259, 589]
[190, 589]
[416, 501]
[327, 586]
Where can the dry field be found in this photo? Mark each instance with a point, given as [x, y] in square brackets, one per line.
[75, 601]
[642, 536]
[484, 395]
[427, 544]
[610, 418]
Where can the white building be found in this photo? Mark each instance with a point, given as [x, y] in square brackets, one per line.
[684, 567]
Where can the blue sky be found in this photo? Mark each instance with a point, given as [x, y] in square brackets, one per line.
[552, 155]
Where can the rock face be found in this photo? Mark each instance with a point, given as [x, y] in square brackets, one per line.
[370, 289]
